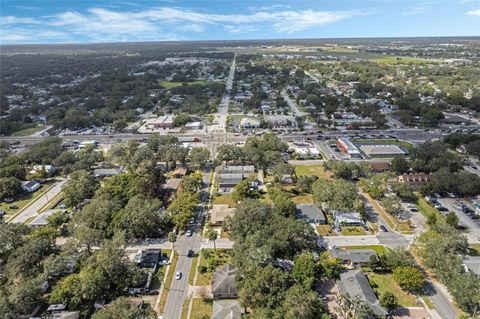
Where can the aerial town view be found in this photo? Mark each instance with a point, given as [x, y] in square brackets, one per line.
[258, 159]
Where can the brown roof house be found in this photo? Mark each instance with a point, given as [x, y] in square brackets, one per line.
[179, 172]
[414, 180]
[379, 167]
[223, 283]
[218, 214]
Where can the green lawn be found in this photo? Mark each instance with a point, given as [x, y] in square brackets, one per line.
[316, 170]
[28, 131]
[474, 250]
[193, 269]
[169, 84]
[224, 199]
[201, 308]
[184, 314]
[325, 230]
[206, 278]
[383, 282]
[353, 231]
[160, 273]
[302, 198]
[426, 209]
[24, 200]
[379, 249]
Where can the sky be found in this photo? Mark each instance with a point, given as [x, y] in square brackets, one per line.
[86, 21]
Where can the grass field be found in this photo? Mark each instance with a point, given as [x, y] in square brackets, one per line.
[383, 282]
[302, 198]
[168, 283]
[201, 308]
[474, 250]
[169, 84]
[316, 170]
[353, 231]
[325, 230]
[379, 249]
[28, 131]
[193, 269]
[184, 314]
[224, 199]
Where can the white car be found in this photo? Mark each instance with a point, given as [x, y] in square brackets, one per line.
[178, 275]
[188, 233]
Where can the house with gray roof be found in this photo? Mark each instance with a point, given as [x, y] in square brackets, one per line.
[311, 213]
[227, 309]
[223, 283]
[347, 219]
[353, 257]
[106, 172]
[354, 284]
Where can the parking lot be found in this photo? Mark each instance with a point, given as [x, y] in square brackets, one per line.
[472, 224]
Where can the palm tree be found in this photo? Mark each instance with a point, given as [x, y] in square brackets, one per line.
[212, 235]
[172, 237]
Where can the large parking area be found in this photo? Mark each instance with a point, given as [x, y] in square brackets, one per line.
[467, 220]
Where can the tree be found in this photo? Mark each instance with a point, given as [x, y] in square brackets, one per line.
[122, 308]
[304, 270]
[409, 278]
[212, 235]
[244, 190]
[389, 301]
[301, 303]
[10, 187]
[182, 208]
[432, 219]
[199, 157]
[193, 182]
[452, 219]
[336, 195]
[392, 205]
[172, 237]
[81, 185]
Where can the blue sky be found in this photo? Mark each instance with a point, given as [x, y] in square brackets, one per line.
[44, 21]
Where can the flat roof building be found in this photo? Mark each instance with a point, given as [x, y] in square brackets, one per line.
[347, 147]
[382, 151]
[165, 121]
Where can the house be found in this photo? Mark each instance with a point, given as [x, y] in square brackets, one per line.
[174, 185]
[347, 219]
[414, 180]
[354, 284]
[223, 283]
[31, 186]
[472, 264]
[218, 214]
[354, 257]
[106, 172]
[227, 309]
[49, 169]
[65, 315]
[311, 213]
[179, 172]
[379, 167]
[232, 175]
[147, 257]
[244, 169]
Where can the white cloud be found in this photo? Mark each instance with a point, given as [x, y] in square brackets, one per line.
[474, 13]
[415, 11]
[105, 24]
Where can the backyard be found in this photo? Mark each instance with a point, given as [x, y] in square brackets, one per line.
[383, 282]
[315, 170]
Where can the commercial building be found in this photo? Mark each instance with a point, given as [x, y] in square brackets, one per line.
[347, 147]
[306, 152]
[382, 151]
[249, 123]
[165, 121]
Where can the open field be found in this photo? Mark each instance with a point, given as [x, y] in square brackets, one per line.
[383, 282]
[316, 170]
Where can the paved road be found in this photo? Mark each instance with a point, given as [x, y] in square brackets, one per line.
[33, 209]
[442, 305]
[179, 288]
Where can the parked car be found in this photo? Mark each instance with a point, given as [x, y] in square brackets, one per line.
[188, 233]
[190, 253]
[178, 275]
[13, 207]
[383, 228]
